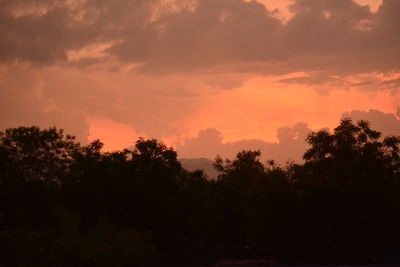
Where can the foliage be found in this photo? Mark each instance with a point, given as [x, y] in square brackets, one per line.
[62, 203]
[64, 245]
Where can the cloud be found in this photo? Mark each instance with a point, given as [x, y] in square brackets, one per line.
[330, 37]
[24, 102]
[53, 96]
[291, 143]
[40, 32]
[216, 33]
[392, 84]
[387, 123]
[335, 37]
[325, 82]
[209, 143]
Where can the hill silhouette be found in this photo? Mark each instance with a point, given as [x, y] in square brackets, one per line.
[203, 164]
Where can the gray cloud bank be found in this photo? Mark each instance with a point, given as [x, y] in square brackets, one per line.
[333, 37]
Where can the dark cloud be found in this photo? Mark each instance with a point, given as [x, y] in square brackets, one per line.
[333, 37]
[40, 32]
[392, 84]
[312, 79]
[216, 33]
[326, 82]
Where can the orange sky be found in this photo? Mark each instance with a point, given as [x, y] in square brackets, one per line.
[255, 111]
[171, 69]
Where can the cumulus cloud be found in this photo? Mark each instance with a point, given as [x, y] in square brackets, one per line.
[387, 123]
[209, 143]
[291, 143]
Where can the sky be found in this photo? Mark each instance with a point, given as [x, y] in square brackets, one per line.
[207, 77]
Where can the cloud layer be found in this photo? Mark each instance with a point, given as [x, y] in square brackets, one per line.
[334, 37]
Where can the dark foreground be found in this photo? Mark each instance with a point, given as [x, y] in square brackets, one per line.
[65, 204]
[222, 255]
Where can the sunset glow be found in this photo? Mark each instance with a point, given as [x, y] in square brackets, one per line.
[170, 69]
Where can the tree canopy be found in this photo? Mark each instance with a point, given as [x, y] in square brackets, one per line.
[72, 204]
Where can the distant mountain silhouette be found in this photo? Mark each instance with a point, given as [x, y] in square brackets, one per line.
[200, 164]
[194, 164]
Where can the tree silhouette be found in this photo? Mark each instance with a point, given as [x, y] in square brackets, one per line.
[62, 203]
[348, 185]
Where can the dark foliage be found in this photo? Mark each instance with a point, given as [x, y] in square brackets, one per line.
[62, 203]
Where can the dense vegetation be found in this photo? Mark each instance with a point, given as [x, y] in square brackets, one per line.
[62, 203]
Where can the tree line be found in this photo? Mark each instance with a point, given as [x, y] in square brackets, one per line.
[64, 204]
